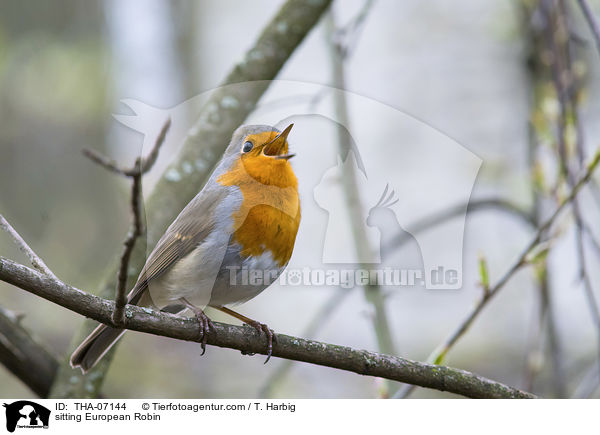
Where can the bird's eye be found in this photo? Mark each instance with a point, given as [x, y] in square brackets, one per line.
[247, 147]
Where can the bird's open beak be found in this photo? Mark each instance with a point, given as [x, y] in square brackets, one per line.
[277, 148]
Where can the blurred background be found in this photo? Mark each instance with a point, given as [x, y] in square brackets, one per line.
[473, 71]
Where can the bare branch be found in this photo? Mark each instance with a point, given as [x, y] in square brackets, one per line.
[517, 265]
[105, 162]
[24, 357]
[585, 279]
[248, 340]
[591, 238]
[547, 318]
[566, 87]
[362, 247]
[546, 321]
[150, 159]
[538, 77]
[439, 218]
[347, 37]
[35, 260]
[588, 384]
[589, 16]
[397, 242]
[137, 227]
[19, 352]
[135, 231]
[441, 351]
[522, 260]
[141, 166]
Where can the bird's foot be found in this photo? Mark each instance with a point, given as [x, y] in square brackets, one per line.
[203, 321]
[271, 337]
[260, 327]
[205, 326]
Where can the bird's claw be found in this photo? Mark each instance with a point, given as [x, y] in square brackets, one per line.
[205, 326]
[271, 337]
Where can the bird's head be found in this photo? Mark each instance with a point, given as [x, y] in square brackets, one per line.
[261, 152]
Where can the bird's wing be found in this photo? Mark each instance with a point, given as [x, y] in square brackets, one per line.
[188, 230]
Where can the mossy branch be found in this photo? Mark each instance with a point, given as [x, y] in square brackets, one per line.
[249, 341]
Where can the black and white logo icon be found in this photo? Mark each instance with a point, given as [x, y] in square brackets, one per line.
[24, 414]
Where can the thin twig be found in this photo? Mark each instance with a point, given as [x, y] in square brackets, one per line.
[141, 166]
[535, 351]
[591, 237]
[250, 341]
[362, 247]
[442, 350]
[589, 16]
[588, 384]
[150, 159]
[517, 265]
[565, 85]
[397, 242]
[437, 218]
[105, 162]
[135, 231]
[347, 37]
[595, 192]
[35, 260]
[585, 281]
[546, 318]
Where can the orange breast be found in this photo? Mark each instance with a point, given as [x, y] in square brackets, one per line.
[269, 217]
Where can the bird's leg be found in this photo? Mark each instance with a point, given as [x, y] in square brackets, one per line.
[260, 327]
[205, 323]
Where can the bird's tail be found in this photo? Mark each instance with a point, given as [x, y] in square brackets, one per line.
[95, 346]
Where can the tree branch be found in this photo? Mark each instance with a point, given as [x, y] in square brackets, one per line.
[24, 357]
[248, 340]
[524, 258]
[398, 241]
[140, 167]
[472, 205]
[547, 318]
[136, 172]
[362, 247]
[19, 352]
[546, 323]
[589, 16]
[566, 85]
[134, 232]
[35, 260]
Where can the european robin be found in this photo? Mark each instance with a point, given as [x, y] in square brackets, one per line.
[243, 222]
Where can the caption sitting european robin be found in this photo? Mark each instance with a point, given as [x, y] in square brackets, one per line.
[244, 219]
